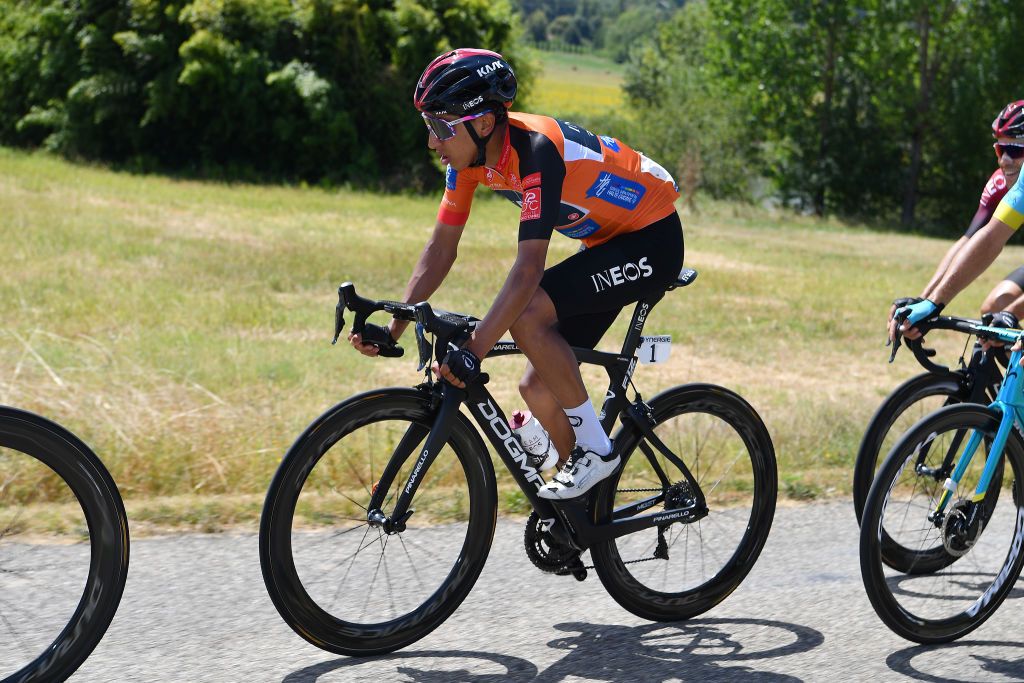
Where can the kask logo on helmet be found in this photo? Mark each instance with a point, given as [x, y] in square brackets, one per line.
[489, 68]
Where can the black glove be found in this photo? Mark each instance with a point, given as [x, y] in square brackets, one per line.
[1003, 319]
[464, 364]
[381, 337]
[906, 301]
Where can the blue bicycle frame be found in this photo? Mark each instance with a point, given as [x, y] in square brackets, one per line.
[1010, 404]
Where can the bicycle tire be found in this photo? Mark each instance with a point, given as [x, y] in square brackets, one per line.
[910, 396]
[872, 448]
[720, 421]
[32, 443]
[379, 628]
[941, 606]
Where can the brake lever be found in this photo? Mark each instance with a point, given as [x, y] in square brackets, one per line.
[895, 343]
[339, 318]
[424, 347]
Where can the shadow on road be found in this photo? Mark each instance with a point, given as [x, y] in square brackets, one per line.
[983, 660]
[698, 650]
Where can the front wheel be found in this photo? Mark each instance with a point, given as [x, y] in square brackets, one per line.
[981, 540]
[355, 589]
[675, 570]
[63, 549]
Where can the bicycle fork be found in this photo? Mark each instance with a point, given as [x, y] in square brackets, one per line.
[995, 454]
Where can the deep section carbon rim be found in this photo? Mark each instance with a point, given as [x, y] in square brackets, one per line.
[63, 549]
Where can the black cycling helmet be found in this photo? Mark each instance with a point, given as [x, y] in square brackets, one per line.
[1010, 122]
[463, 82]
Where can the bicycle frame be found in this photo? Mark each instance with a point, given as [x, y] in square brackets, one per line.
[1010, 404]
[576, 528]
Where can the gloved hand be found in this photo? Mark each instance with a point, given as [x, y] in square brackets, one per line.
[906, 301]
[1003, 319]
[915, 313]
[463, 364]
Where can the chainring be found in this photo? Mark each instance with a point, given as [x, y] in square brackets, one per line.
[547, 554]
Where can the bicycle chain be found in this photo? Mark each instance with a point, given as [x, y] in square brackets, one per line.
[643, 559]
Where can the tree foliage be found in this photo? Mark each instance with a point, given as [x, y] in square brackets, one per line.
[303, 89]
[868, 108]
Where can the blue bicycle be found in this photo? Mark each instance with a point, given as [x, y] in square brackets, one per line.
[934, 501]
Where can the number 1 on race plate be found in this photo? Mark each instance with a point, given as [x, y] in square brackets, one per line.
[655, 349]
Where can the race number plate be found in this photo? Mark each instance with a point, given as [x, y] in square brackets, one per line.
[655, 349]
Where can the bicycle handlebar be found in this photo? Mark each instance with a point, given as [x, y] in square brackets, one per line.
[441, 323]
[964, 325]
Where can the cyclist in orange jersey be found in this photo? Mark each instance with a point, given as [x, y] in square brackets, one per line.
[563, 178]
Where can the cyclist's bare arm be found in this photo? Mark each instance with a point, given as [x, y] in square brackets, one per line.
[969, 262]
[433, 266]
[943, 267]
[519, 288]
[976, 256]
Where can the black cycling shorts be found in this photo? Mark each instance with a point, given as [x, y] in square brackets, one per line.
[1017, 277]
[590, 287]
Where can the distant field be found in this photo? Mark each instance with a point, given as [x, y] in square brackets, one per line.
[183, 328]
[571, 83]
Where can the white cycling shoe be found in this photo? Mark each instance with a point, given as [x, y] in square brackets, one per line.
[581, 472]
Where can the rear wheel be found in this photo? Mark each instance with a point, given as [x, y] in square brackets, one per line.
[679, 570]
[913, 400]
[354, 589]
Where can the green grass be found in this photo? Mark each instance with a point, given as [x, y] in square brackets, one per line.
[570, 83]
[182, 328]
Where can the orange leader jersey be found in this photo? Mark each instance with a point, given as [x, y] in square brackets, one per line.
[565, 178]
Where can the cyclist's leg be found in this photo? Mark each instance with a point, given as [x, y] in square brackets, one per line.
[581, 331]
[1005, 293]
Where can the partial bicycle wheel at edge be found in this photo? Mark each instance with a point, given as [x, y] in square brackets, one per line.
[689, 568]
[911, 401]
[350, 588]
[63, 549]
[948, 602]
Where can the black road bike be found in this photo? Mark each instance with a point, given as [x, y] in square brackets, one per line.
[974, 381]
[59, 593]
[381, 515]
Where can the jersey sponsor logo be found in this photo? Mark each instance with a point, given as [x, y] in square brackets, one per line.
[618, 191]
[531, 180]
[531, 204]
[450, 177]
[581, 136]
[580, 230]
[619, 275]
[574, 216]
[610, 142]
[488, 68]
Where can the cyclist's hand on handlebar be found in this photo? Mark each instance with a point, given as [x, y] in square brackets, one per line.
[459, 367]
[905, 317]
[901, 302]
[1001, 319]
[369, 342]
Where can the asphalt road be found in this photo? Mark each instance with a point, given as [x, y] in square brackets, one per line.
[195, 609]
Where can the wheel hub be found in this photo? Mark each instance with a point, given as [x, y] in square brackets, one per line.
[961, 528]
